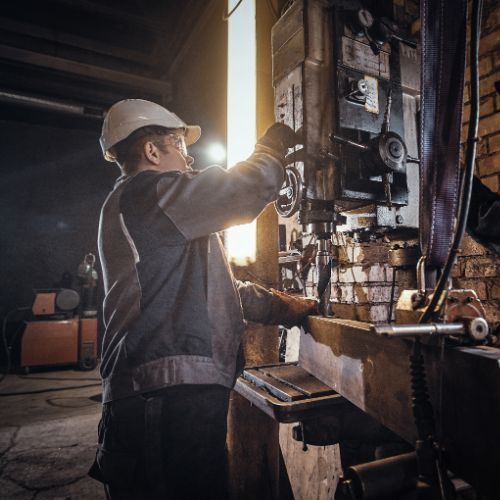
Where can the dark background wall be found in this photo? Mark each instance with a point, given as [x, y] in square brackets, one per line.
[53, 180]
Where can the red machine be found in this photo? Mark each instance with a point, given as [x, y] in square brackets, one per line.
[63, 330]
[58, 336]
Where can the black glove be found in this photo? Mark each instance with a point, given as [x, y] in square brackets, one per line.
[279, 138]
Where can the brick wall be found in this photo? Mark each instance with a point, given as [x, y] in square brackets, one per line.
[488, 152]
[478, 268]
[361, 283]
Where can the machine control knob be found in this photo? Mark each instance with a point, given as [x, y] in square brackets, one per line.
[478, 329]
[290, 194]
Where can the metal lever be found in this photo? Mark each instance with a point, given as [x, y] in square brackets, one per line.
[341, 140]
[387, 115]
[410, 43]
[412, 159]
[418, 330]
[477, 329]
[387, 190]
[381, 31]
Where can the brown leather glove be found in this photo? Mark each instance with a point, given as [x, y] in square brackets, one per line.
[288, 310]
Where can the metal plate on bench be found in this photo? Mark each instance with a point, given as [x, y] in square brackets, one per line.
[299, 379]
[287, 392]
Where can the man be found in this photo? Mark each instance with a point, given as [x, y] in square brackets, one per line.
[173, 312]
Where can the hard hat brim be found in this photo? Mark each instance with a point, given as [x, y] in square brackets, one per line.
[192, 134]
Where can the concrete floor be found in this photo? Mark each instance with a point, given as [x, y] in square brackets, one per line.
[48, 439]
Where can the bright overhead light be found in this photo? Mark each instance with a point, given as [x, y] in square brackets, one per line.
[241, 114]
[216, 152]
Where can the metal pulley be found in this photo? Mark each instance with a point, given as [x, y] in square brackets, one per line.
[385, 154]
[290, 193]
[391, 151]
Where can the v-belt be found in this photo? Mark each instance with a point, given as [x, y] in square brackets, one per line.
[442, 81]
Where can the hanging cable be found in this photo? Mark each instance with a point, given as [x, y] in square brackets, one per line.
[50, 389]
[468, 174]
[226, 15]
[72, 379]
[7, 346]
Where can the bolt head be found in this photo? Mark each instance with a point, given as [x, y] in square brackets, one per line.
[395, 148]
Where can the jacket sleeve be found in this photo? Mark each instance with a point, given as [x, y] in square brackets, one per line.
[205, 202]
[256, 301]
[272, 307]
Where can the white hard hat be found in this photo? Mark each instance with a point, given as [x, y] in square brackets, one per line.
[127, 116]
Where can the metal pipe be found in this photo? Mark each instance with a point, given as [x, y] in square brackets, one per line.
[44, 103]
[383, 478]
[418, 330]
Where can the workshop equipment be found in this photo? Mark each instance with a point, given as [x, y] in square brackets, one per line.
[57, 334]
[347, 77]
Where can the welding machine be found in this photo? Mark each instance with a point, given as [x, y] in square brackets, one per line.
[59, 333]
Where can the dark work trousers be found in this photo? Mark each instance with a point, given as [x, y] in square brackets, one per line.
[167, 444]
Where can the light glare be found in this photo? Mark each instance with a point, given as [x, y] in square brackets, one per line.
[217, 152]
[241, 114]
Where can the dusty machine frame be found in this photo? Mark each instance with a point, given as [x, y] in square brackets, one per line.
[348, 80]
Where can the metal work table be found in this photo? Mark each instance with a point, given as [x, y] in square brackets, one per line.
[372, 372]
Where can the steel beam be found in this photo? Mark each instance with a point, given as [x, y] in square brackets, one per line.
[72, 40]
[58, 106]
[89, 71]
[113, 12]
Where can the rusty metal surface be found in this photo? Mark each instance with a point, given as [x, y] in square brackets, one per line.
[287, 411]
[373, 373]
[300, 379]
[50, 343]
[463, 304]
[277, 388]
[287, 381]
[370, 372]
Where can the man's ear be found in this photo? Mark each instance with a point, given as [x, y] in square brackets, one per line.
[151, 152]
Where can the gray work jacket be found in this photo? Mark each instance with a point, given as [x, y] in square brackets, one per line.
[173, 312]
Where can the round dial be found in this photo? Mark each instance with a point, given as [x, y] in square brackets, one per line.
[365, 18]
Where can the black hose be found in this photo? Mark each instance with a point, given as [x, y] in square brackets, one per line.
[5, 343]
[468, 175]
[50, 389]
[431, 470]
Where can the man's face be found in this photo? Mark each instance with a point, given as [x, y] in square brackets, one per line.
[176, 156]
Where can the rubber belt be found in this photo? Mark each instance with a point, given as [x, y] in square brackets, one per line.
[443, 35]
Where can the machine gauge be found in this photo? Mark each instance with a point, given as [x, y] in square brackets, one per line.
[365, 18]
